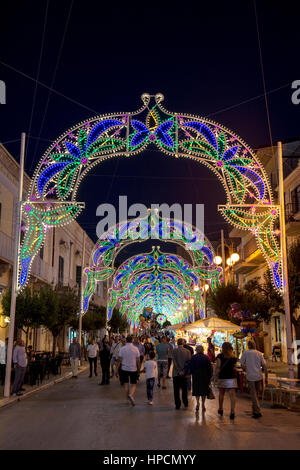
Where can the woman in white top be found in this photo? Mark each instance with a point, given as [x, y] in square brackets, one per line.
[151, 372]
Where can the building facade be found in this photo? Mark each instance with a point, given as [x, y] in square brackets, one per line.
[252, 264]
[59, 262]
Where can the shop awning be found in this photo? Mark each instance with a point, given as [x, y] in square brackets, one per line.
[178, 326]
[213, 323]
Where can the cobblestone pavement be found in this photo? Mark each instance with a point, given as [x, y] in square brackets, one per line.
[79, 414]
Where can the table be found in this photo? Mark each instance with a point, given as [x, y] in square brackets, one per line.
[284, 380]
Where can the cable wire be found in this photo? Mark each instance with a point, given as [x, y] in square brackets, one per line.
[54, 76]
[263, 75]
[38, 74]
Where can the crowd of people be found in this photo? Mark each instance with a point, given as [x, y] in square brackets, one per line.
[192, 371]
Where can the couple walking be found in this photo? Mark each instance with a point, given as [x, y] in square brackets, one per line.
[199, 367]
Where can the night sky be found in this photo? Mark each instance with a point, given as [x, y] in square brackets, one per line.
[203, 56]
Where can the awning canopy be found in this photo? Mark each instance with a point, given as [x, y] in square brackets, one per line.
[178, 326]
[213, 323]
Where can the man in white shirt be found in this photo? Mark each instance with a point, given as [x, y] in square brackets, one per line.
[129, 362]
[252, 362]
[92, 353]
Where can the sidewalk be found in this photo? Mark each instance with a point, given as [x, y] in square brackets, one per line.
[66, 373]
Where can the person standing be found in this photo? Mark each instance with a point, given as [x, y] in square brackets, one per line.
[151, 371]
[201, 370]
[226, 374]
[253, 363]
[170, 356]
[211, 350]
[20, 364]
[105, 360]
[129, 362]
[74, 351]
[162, 349]
[181, 358]
[3, 358]
[92, 353]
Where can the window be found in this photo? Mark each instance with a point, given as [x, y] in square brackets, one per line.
[60, 271]
[295, 194]
[78, 275]
[277, 329]
[42, 252]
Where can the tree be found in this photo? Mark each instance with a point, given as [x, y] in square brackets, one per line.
[222, 297]
[60, 307]
[259, 299]
[28, 309]
[94, 319]
[118, 322]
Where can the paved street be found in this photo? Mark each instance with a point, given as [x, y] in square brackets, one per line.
[78, 414]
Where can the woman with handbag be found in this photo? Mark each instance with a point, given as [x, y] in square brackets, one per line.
[201, 370]
[226, 375]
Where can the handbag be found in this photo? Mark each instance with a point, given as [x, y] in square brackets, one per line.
[210, 395]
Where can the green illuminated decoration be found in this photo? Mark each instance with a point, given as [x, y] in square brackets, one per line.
[67, 161]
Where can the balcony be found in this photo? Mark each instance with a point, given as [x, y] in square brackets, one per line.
[292, 219]
[42, 270]
[6, 247]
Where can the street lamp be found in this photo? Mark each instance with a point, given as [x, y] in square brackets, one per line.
[234, 258]
[218, 260]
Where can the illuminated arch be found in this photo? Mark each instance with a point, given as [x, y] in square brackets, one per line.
[52, 196]
[102, 259]
[161, 281]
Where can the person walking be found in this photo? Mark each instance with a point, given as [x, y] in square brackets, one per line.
[181, 358]
[189, 348]
[148, 347]
[75, 353]
[151, 371]
[253, 363]
[123, 343]
[170, 356]
[141, 349]
[114, 353]
[226, 374]
[211, 350]
[20, 364]
[162, 349]
[141, 346]
[105, 361]
[129, 363]
[92, 353]
[201, 370]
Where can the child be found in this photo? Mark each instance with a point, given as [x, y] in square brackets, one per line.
[151, 371]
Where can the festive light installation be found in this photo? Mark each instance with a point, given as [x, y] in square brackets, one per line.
[101, 265]
[161, 281]
[66, 162]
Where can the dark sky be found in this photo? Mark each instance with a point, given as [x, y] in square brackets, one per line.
[203, 56]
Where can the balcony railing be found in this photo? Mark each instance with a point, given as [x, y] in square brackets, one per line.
[291, 209]
[6, 247]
